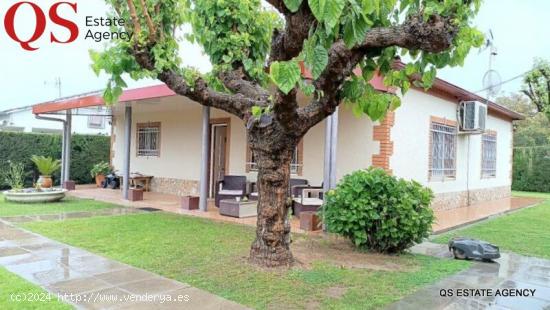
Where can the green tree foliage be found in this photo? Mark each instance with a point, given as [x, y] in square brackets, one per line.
[379, 212]
[534, 130]
[238, 34]
[537, 86]
[20, 147]
[531, 169]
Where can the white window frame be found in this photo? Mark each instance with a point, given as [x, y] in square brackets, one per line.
[148, 139]
[93, 125]
[295, 164]
[443, 141]
[489, 155]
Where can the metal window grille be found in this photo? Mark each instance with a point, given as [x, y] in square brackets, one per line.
[489, 155]
[294, 164]
[443, 151]
[148, 141]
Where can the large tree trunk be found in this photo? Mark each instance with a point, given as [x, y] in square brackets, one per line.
[272, 245]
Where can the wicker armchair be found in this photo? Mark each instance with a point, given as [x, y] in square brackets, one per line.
[232, 186]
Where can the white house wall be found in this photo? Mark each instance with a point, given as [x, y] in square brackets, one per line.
[177, 170]
[411, 136]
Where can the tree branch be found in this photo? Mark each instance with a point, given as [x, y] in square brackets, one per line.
[289, 43]
[149, 21]
[236, 104]
[434, 35]
[236, 82]
[133, 15]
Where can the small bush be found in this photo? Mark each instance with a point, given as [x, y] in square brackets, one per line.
[13, 176]
[379, 212]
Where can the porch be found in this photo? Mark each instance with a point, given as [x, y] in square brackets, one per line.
[445, 220]
[166, 202]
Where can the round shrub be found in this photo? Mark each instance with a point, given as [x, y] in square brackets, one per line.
[379, 212]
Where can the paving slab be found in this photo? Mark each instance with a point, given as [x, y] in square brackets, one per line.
[529, 276]
[89, 281]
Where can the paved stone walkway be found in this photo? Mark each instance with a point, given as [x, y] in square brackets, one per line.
[511, 271]
[95, 282]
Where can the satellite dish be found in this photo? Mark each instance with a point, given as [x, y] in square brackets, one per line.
[492, 82]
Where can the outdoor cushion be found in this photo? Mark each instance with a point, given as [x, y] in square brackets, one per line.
[309, 201]
[230, 192]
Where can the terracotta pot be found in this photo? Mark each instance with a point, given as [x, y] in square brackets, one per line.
[99, 179]
[45, 181]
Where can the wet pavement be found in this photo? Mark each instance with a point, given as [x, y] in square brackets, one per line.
[70, 215]
[89, 281]
[485, 285]
[451, 219]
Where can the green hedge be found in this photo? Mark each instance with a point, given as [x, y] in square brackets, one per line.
[87, 150]
[532, 169]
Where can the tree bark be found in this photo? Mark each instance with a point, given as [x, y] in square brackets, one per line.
[272, 245]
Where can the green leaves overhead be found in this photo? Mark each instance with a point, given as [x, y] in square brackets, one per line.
[238, 34]
[327, 11]
[365, 100]
[293, 5]
[285, 75]
[318, 61]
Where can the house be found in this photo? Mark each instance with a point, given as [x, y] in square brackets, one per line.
[421, 140]
[84, 122]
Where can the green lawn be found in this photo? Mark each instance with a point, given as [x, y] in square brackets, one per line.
[212, 256]
[66, 205]
[13, 288]
[531, 194]
[524, 232]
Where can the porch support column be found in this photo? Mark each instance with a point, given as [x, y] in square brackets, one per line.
[331, 143]
[203, 200]
[127, 145]
[333, 148]
[63, 150]
[68, 133]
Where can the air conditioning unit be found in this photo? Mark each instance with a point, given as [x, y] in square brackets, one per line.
[472, 116]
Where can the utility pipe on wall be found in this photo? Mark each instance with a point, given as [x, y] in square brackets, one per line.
[68, 132]
[63, 143]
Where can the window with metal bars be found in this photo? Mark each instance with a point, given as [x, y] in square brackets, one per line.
[443, 151]
[148, 139]
[489, 155]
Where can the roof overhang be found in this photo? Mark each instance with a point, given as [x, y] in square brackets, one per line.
[158, 91]
[96, 99]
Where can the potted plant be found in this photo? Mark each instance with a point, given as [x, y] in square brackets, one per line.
[99, 171]
[46, 166]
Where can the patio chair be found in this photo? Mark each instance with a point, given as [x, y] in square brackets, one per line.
[231, 187]
[310, 199]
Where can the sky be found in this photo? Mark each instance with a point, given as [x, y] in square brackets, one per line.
[520, 28]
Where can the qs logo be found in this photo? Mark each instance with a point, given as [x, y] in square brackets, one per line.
[41, 21]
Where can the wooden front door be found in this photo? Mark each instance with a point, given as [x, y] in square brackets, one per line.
[218, 154]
